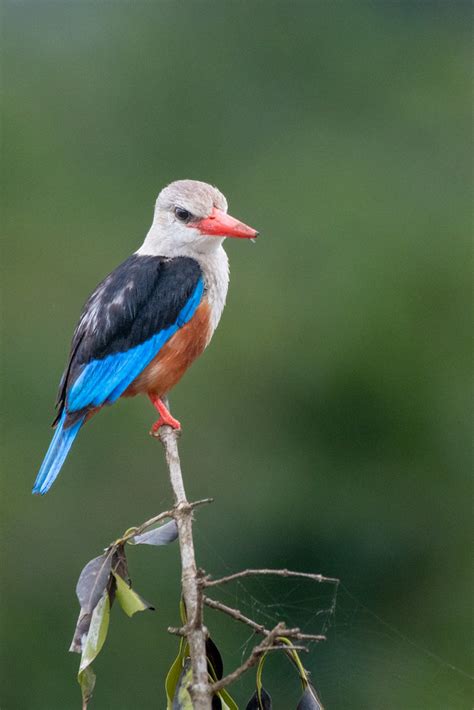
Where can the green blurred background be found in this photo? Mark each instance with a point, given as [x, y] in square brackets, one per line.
[330, 418]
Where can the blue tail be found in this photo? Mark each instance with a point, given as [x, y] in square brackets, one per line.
[57, 452]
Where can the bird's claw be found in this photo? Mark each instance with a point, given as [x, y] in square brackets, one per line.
[164, 421]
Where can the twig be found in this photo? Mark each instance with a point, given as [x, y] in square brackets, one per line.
[208, 582]
[259, 628]
[235, 614]
[267, 644]
[195, 631]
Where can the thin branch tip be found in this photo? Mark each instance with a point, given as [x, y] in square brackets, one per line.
[209, 582]
[176, 631]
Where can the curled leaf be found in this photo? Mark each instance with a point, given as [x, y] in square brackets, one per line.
[96, 635]
[129, 600]
[221, 701]
[182, 698]
[310, 700]
[159, 536]
[90, 587]
[87, 682]
[214, 660]
[80, 632]
[93, 580]
[260, 700]
[226, 701]
[174, 673]
[215, 667]
[119, 561]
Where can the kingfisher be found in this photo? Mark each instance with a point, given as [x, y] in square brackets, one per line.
[149, 319]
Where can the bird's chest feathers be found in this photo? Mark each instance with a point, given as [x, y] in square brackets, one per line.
[215, 270]
[174, 358]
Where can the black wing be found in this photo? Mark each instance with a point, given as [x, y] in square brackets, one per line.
[124, 323]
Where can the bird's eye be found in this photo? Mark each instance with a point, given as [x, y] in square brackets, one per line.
[182, 214]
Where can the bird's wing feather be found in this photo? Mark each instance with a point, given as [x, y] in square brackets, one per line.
[125, 322]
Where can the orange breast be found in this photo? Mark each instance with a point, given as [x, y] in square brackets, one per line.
[174, 358]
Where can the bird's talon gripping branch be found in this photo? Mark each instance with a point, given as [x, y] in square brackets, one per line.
[166, 418]
[173, 423]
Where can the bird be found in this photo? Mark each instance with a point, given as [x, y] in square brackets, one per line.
[150, 318]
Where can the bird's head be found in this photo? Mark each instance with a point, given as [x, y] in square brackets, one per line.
[191, 219]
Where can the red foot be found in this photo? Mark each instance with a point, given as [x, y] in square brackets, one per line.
[165, 416]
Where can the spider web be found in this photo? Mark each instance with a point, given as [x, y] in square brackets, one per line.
[365, 663]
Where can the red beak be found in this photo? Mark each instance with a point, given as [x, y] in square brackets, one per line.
[220, 224]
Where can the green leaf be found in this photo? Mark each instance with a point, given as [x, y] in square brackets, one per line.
[182, 698]
[215, 669]
[159, 536]
[87, 682]
[260, 700]
[97, 632]
[182, 612]
[309, 700]
[228, 703]
[295, 659]
[129, 600]
[174, 673]
[96, 635]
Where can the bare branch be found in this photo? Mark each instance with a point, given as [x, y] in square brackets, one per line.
[267, 644]
[309, 637]
[236, 614]
[208, 582]
[258, 628]
[176, 630]
[196, 633]
[203, 501]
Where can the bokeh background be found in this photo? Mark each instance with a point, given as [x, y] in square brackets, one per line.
[330, 417]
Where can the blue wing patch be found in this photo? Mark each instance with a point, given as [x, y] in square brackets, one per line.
[103, 381]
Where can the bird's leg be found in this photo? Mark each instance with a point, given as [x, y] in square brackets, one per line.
[165, 416]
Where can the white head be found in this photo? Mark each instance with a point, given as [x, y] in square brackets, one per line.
[191, 219]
